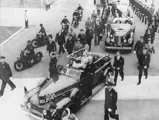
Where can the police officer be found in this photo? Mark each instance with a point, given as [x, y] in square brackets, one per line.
[5, 75]
[60, 39]
[51, 46]
[70, 44]
[143, 65]
[111, 97]
[118, 66]
[65, 21]
[77, 47]
[42, 31]
[53, 66]
[82, 37]
[97, 31]
[138, 48]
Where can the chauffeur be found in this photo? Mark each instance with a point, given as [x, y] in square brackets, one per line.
[118, 66]
[5, 75]
[111, 97]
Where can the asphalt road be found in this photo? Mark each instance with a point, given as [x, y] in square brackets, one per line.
[130, 109]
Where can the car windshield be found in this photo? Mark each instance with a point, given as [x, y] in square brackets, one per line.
[71, 72]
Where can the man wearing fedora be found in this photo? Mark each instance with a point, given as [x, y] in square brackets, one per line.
[5, 75]
[111, 97]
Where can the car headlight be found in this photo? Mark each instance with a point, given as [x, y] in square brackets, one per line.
[26, 98]
[44, 112]
[29, 105]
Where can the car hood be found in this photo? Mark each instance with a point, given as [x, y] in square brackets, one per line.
[53, 87]
[121, 29]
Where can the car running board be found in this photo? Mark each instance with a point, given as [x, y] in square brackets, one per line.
[94, 91]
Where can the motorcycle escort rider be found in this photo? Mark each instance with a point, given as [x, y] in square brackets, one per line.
[65, 23]
[80, 10]
[42, 33]
[76, 17]
[29, 52]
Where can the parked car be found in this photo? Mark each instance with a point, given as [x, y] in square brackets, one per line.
[120, 34]
[69, 91]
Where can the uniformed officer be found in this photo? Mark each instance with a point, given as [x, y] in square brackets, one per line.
[111, 97]
[138, 48]
[118, 66]
[51, 46]
[144, 62]
[70, 44]
[53, 66]
[77, 47]
[82, 37]
[60, 39]
[5, 75]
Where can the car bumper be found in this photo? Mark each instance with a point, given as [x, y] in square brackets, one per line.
[118, 48]
[31, 111]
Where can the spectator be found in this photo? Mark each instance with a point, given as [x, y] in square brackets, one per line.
[26, 19]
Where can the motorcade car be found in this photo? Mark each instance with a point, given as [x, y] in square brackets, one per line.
[120, 34]
[70, 90]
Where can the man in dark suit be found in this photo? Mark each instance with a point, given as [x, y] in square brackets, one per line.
[60, 39]
[5, 75]
[138, 48]
[143, 65]
[51, 45]
[111, 97]
[118, 66]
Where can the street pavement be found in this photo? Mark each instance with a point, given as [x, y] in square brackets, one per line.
[129, 107]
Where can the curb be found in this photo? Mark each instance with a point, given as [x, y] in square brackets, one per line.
[11, 36]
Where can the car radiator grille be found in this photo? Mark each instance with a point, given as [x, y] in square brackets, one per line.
[36, 110]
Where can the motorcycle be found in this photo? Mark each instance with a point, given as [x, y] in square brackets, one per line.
[22, 62]
[65, 28]
[75, 22]
[40, 40]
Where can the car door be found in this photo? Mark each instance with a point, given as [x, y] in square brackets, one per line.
[97, 73]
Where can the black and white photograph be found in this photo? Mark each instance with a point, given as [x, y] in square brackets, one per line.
[79, 59]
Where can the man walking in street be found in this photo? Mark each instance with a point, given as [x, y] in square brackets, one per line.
[26, 19]
[111, 97]
[51, 46]
[5, 75]
[144, 62]
[139, 48]
[60, 39]
[118, 66]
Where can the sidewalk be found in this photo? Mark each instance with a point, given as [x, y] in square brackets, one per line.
[129, 90]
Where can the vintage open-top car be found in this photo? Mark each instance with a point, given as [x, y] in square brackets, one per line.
[71, 89]
[120, 34]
